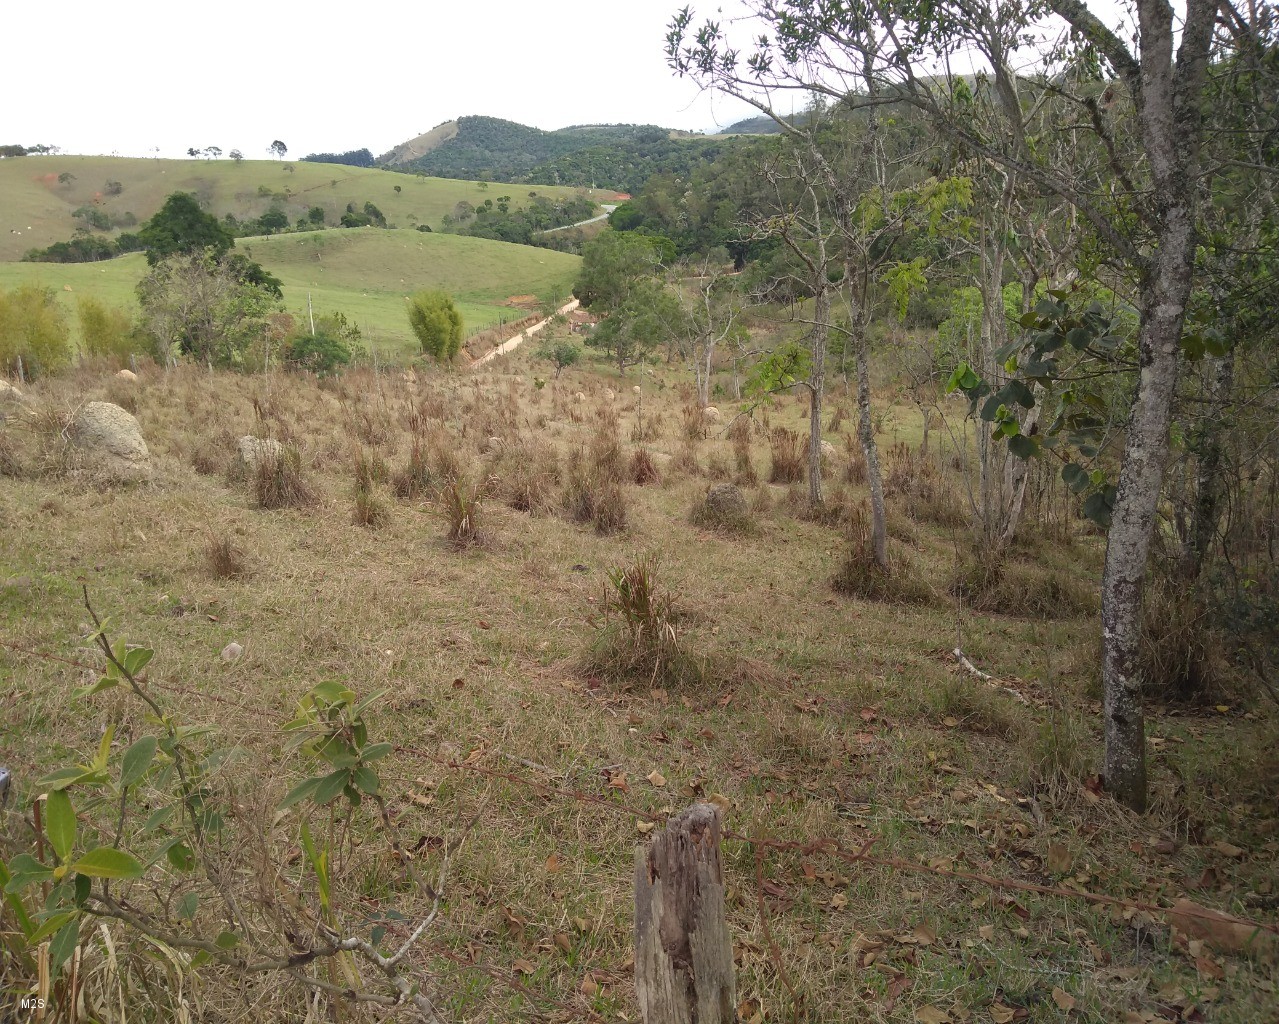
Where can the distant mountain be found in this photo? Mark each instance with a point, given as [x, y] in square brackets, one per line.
[617, 156]
[761, 125]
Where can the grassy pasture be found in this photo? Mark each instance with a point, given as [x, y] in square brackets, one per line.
[35, 210]
[822, 715]
[362, 272]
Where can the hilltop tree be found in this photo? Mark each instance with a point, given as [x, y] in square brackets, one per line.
[236, 155]
[437, 323]
[278, 148]
[213, 151]
[181, 226]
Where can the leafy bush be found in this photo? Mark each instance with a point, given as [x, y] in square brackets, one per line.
[33, 328]
[437, 323]
[638, 638]
[107, 331]
[561, 353]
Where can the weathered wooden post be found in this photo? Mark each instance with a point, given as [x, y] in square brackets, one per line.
[683, 952]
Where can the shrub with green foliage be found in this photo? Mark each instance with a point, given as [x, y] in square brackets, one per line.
[437, 323]
[327, 350]
[181, 226]
[561, 352]
[32, 327]
[106, 330]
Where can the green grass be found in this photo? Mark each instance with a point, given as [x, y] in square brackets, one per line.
[364, 273]
[35, 210]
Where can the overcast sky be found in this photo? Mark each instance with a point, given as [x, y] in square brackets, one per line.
[129, 76]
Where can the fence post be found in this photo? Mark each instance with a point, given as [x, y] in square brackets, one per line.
[683, 952]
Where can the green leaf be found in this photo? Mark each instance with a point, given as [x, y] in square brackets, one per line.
[366, 703]
[300, 792]
[104, 750]
[83, 886]
[158, 817]
[1097, 509]
[375, 751]
[187, 906]
[64, 944]
[108, 862]
[25, 870]
[180, 856]
[64, 777]
[227, 940]
[137, 759]
[1078, 338]
[331, 786]
[136, 660]
[1023, 447]
[332, 692]
[107, 682]
[990, 409]
[59, 823]
[53, 924]
[365, 778]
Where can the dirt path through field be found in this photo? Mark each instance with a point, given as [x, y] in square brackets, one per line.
[524, 335]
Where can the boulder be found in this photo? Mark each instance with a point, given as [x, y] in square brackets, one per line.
[724, 508]
[110, 443]
[252, 450]
[11, 400]
[128, 375]
[580, 398]
[828, 450]
[637, 389]
[608, 394]
[711, 414]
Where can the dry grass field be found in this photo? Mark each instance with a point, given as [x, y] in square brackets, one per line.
[454, 555]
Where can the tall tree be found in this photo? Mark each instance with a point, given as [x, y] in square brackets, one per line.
[817, 46]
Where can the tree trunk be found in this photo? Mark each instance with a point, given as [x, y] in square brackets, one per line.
[870, 449]
[683, 951]
[1132, 523]
[1207, 497]
[817, 383]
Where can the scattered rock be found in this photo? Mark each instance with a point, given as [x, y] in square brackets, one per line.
[128, 375]
[580, 398]
[723, 508]
[711, 414]
[608, 394]
[252, 450]
[8, 393]
[828, 450]
[494, 444]
[637, 390]
[110, 444]
[231, 652]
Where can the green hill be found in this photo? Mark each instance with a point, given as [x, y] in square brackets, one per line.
[615, 156]
[37, 208]
[362, 272]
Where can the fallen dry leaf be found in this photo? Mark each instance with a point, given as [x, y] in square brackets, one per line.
[589, 985]
[644, 827]
[1059, 861]
[656, 778]
[1064, 1000]
[1002, 1014]
[1228, 849]
[924, 935]
[1223, 932]
[524, 967]
[554, 864]
[564, 943]
[932, 1015]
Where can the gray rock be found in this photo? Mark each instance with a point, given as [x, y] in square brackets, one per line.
[231, 652]
[252, 450]
[110, 443]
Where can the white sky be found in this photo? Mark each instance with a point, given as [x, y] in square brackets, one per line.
[128, 76]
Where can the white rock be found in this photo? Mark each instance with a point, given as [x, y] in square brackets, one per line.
[638, 390]
[110, 443]
[711, 413]
[252, 450]
[231, 652]
[828, 450]
[608, 393]
[126, 375]
[580, 398]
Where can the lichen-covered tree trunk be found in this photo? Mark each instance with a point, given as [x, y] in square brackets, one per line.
[1207, 495]
[870, 449]
[1163, 311]
[817, 388]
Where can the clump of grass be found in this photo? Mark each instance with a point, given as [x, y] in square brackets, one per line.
[724, 510]
[370, 510]
[10, 459]
[526, 475]
[989, 582]
[416, 478]
[208, 460]
[370, 470]
[278, 481]
[694, 421]
[980, 708]
[855, 471]
[1056, 755]
[591, 496]
[1181, 652]
[860, 576]
[638, 639]
[643, 468]
[225, 558]
[925, 492]
[463, 508]
[788, 465]
[740, 434]
[685, 461]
